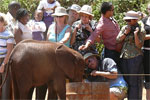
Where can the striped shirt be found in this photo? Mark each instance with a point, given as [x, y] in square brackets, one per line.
[5, 37]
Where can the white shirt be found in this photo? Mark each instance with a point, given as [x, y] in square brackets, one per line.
[37, 26]
[26, 31]
[44, 4]
[12, 23]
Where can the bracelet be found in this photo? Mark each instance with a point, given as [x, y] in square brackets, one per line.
[125, 34]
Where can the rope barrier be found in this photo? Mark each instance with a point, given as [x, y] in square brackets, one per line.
[132, 74]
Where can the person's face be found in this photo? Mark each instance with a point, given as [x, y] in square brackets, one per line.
[1, 24]
[73, 15]
[38, 15]
[50, 1]
[85, 18]
[131, 21]
[60, 19]
[91, 62]
[25, 19]
[13, 10]
[110, 12]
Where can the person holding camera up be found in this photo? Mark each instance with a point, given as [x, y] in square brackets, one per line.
[83, 28]
[133, 35]
[107, 30]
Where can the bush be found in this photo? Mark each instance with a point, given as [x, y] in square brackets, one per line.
[120, 6]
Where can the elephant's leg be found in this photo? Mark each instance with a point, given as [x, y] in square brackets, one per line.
[16, 90]
[30, 93]
[25, 93]
[60, 87]
[25, 88]
[41, 92]
[52, 95]
[6, 89]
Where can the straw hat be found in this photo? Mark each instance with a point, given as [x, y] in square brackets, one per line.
[74, 7]
[131, 15]
[60, 11]
[87, 55]
[86, 9]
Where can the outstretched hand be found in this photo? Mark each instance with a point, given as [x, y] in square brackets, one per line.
[82, 47]
[93, 73]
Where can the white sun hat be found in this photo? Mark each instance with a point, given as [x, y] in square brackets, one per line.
[131, 15]
[86, 9]
[74, 7]
[60, 11]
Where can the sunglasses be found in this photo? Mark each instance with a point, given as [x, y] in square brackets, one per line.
[59, 16]
[128, 20]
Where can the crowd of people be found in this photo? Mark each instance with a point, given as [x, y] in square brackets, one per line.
[126, 50]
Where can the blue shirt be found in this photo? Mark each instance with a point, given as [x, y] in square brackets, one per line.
[60, 36]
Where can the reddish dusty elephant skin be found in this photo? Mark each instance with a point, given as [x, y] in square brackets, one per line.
[34, 63]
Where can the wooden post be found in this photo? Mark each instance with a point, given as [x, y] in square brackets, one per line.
[87, 91]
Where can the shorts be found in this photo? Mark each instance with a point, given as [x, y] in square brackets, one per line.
[120, 92]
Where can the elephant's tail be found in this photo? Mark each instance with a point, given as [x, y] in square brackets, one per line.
[6, 75]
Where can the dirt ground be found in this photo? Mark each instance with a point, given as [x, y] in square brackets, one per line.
[144, 95]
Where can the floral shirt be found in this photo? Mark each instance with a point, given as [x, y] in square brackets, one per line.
[130, 49]
[81, 37]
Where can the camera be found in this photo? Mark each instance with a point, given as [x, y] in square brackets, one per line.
[132, 29]
[87, 72]
[83, 26]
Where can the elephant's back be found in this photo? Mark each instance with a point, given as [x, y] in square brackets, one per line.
[31, 48]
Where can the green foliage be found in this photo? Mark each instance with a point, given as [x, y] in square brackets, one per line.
[30, 5]
[121, 6]
[4, 5]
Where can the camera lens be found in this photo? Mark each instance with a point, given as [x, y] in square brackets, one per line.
[83, 26]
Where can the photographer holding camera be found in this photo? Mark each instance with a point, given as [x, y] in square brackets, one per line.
[82, 29]
[132, 35]
[105, 70]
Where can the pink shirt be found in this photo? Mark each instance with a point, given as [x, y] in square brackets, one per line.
[108, 29]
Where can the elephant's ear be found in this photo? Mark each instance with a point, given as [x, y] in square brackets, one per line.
[66, 60]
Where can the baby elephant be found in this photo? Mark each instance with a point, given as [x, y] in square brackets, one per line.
[34, 63]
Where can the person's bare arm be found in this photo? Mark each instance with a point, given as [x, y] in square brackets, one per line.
[137, 40]
[110, 75]
[9, 49]
[18, 35]
[66, 36]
